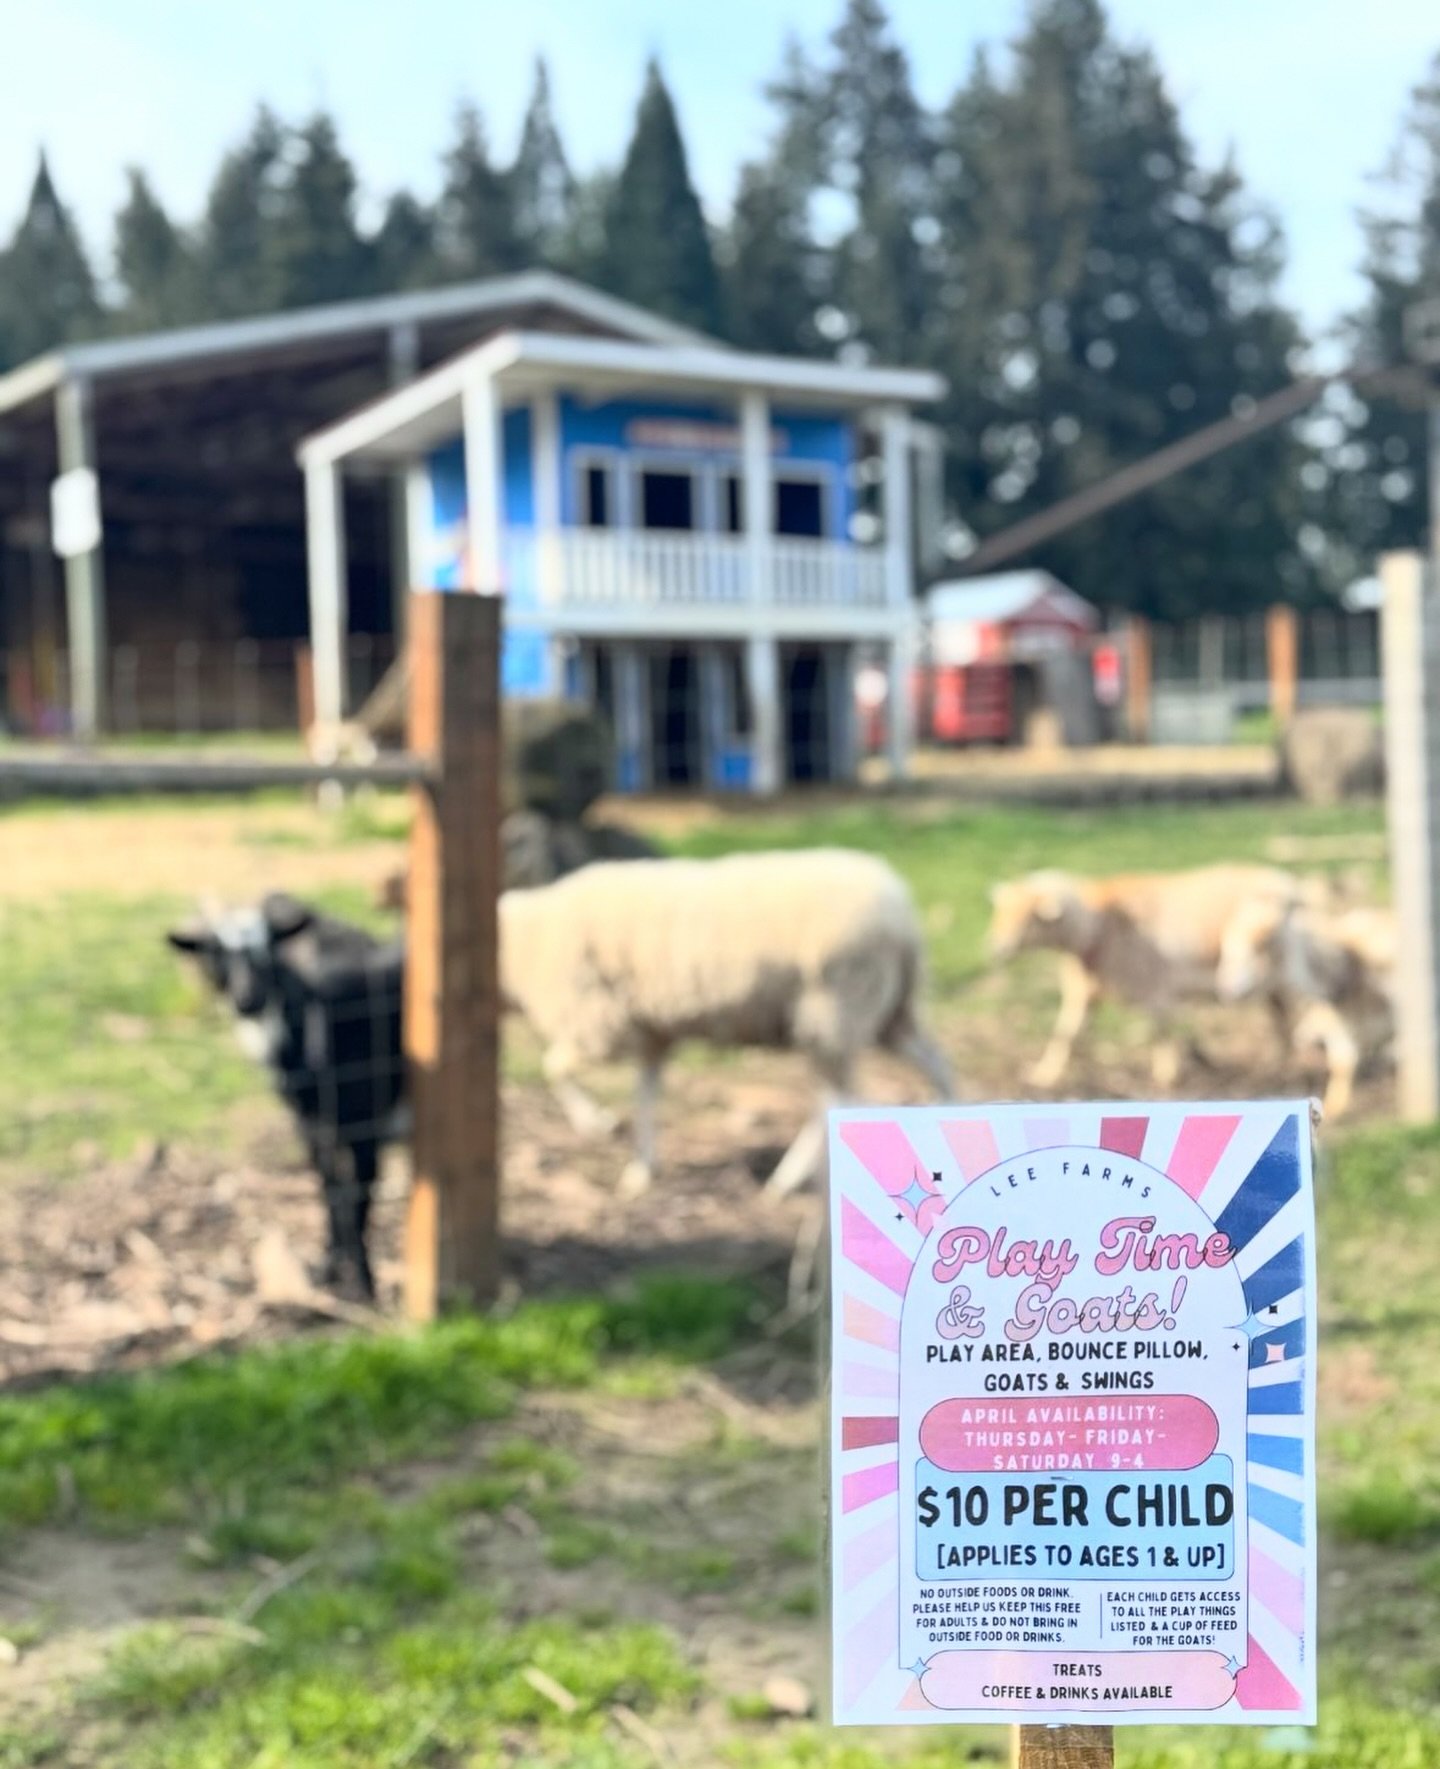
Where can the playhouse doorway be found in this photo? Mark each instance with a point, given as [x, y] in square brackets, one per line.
[676, 744]
[805, 675]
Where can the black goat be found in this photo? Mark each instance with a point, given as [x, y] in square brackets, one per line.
[319, 1002]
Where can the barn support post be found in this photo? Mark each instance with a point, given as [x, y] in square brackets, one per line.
[1282, 654]
[1062, 1747]
[1410, 645]
[452, 996]
[762, 653]
[762, 680]
[329, 600]
[549, 566]
[84, 568]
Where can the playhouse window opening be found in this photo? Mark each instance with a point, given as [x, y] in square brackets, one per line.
[799, 507]
[667, 499]
[597, 497]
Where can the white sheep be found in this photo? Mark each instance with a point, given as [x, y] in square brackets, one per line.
[817, 950]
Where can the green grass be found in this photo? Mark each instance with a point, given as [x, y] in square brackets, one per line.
[244, 1435]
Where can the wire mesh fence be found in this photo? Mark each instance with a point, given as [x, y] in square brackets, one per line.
[194, 688]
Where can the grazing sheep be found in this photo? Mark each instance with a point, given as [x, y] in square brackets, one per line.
[319, 1003]
[1335, 970]
[817, 951]
[1146, 938]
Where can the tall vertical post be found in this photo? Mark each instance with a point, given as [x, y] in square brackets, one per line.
[84, 569]
[1139, 678]
[1282, 652]
[329, 599]
[402, 364]
[545, 489]
[899, 581]
[1410, 647]
[762, 652]
[484, 449]
[452, 995]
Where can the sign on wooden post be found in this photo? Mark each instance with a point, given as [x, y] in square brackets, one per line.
[1138, 678]
[452, 1029]
[1072, 1401]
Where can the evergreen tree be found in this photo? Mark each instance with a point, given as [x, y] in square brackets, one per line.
[475, 222]
[657, 249]
[1377, 495]
[542, 186]
[403, 247]
[777, 277]
[1108, 294]
[237, 260]
[313, 243]
[580, 249]
[47, 289]
[153, 263]
[878, 154]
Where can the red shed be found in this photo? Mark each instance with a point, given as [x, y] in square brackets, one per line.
[989, 645]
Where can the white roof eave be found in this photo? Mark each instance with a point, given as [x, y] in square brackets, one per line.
[404, 422]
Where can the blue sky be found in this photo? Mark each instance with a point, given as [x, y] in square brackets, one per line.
[1306, 91]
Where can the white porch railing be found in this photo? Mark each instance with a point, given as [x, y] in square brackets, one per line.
[588, 568]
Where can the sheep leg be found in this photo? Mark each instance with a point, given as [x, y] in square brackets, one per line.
[640, 1169]
[1078, 989]
[585, 1116]
[1323, 1024]
[804, 1160]
[921, 1051]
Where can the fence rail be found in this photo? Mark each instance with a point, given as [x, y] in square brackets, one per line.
[1338, 662]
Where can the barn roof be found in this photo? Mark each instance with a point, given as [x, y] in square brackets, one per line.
[308, 329]
[1008, 596]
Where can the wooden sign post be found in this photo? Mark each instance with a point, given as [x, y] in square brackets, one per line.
[1062, 1747]
[452, 1015]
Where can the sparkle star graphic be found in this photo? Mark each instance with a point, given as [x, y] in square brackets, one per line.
[919, 1667]
[1252, 1326]
[915, 1194]
[1274, 1354]
[1232, 1664]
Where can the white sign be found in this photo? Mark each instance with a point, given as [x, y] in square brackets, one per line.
[1072, 1414]
[75, 513]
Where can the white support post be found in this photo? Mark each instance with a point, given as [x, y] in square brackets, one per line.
[929, 441]
[480, 406]
[329, 601]
[84, 571]
[898, 519]
[757, 494]
[545, 489]
[632, 717]
[419, 526]
[1410, 637]
[404, 365]
[762, 678]
[899, 718]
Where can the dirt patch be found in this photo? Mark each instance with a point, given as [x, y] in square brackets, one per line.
[236, 851]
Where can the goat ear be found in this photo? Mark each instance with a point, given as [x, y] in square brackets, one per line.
[189, 938]
[1050, 903]
[285, 916]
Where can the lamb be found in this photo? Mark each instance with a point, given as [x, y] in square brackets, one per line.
[818, 951]
[318, 1001]
[1335, 971]
[1148, 938]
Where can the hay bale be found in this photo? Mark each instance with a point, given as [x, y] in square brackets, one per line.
[558, 758]
[1333, 752]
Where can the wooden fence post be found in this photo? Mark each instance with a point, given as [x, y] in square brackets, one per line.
[1062, 1747]
[452, 1006]
[1139, 671]
[1410, 636]
[1282, 653]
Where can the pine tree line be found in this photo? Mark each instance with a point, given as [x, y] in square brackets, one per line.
[1050, 239]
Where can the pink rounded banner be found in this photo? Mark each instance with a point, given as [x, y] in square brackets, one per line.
[981, 1436]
